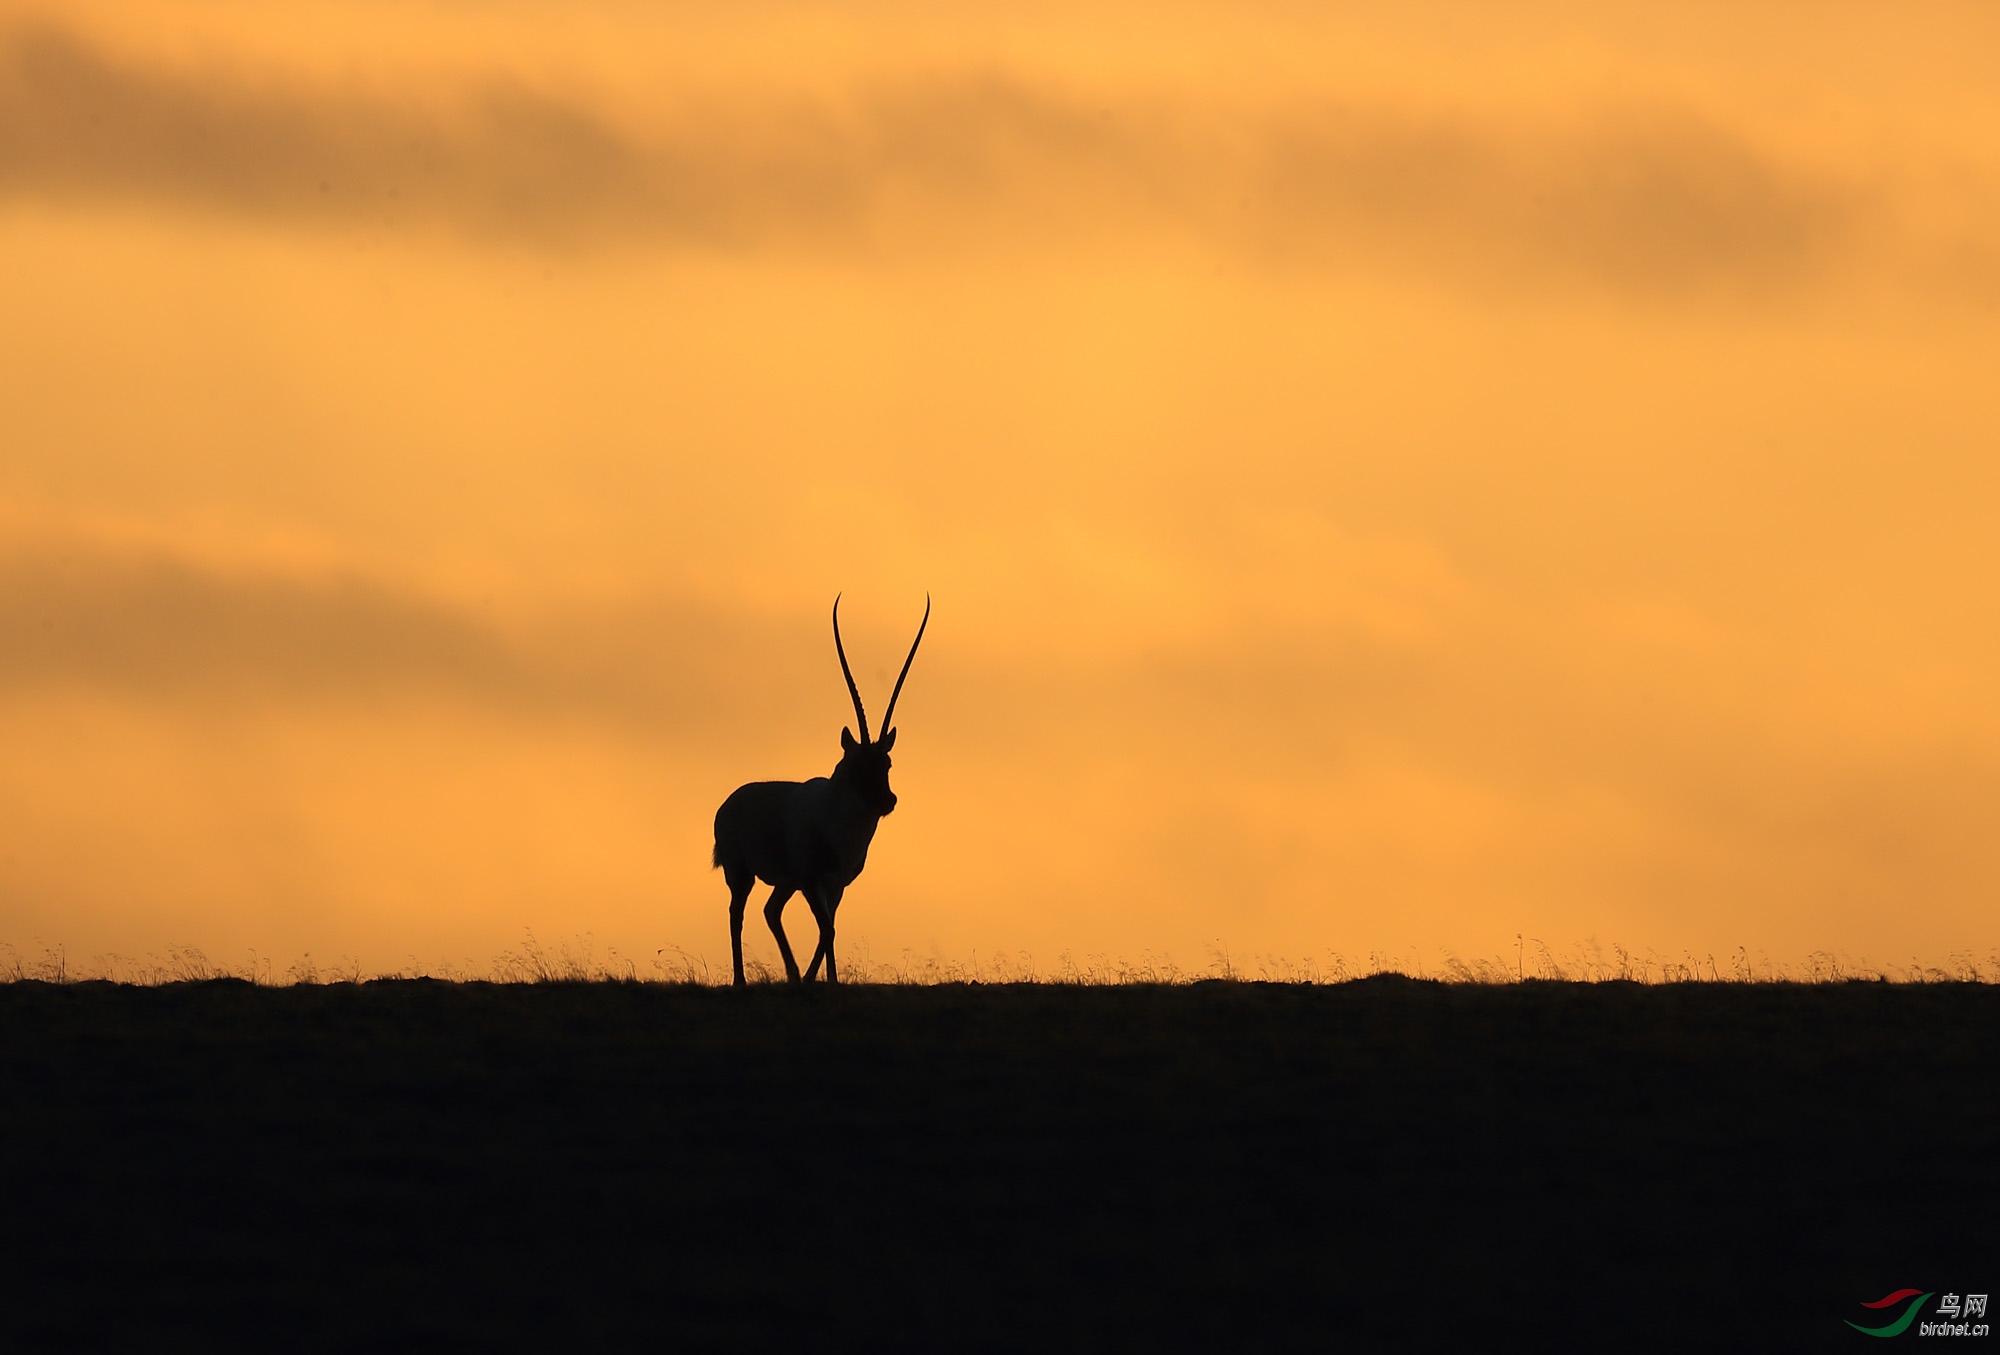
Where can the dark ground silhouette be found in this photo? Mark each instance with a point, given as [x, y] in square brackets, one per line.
[1380, 1164]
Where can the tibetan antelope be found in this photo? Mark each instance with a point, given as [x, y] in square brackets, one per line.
[810, 837]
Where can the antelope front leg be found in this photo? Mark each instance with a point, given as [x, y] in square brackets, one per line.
[823, 912]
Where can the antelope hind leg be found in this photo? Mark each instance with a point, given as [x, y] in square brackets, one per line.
[739, 894]
[774, 914]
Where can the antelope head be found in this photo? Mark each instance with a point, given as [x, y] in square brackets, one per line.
[864, 763]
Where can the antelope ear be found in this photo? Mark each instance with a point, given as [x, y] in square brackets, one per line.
[847, 743]
[887, 741]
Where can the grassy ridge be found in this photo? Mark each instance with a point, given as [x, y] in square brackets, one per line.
[991, 1167]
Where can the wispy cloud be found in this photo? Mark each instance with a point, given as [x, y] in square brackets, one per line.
[1647, 197]
[156, 627]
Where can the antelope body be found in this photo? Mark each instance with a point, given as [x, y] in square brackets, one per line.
[810, 837]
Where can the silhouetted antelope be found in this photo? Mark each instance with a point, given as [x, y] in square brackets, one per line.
[810, 837]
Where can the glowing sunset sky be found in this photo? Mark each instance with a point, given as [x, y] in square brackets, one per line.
[1391, 476]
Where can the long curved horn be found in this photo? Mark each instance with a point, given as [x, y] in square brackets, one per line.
[906, 666]
[848, 673]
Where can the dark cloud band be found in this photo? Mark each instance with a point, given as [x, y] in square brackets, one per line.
[1646, 199]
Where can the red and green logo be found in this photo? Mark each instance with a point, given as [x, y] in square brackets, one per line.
[1901, 1324]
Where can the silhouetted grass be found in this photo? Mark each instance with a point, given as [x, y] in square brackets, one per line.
[1079, 1165]
[576, 960]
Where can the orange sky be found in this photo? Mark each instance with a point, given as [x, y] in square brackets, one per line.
[1392, 477]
